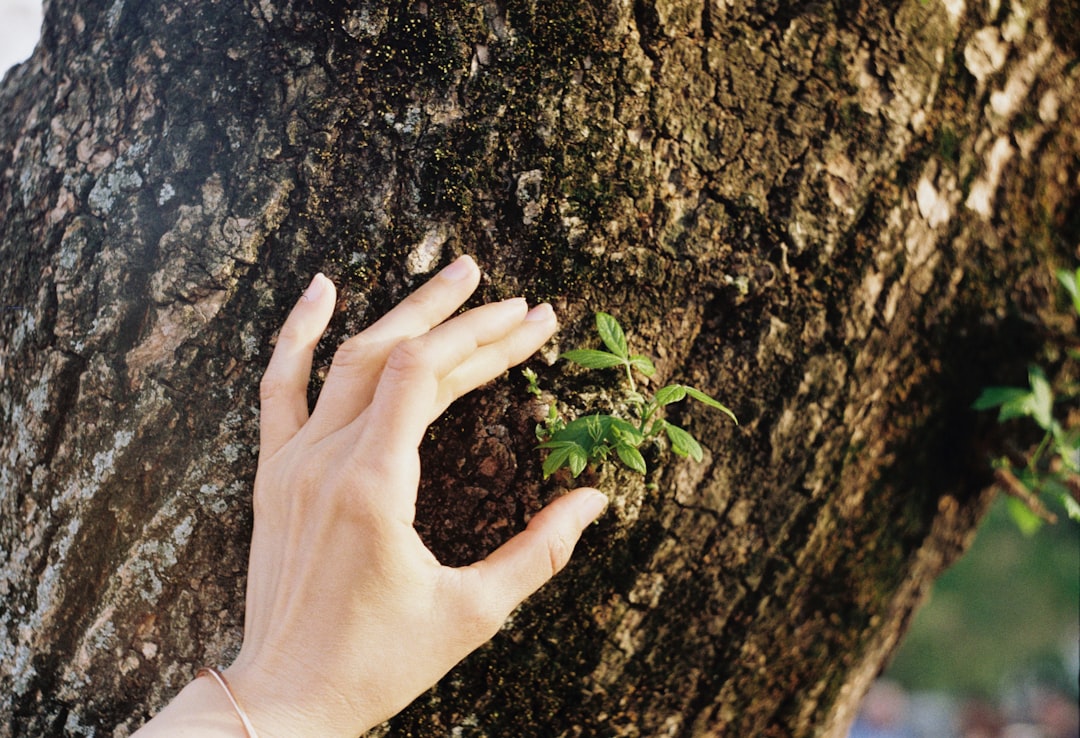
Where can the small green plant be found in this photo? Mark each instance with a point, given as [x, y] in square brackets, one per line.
[1052, 469]
[1071, 282]
[533, 386]
[593, 438]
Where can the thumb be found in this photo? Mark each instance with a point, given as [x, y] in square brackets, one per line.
[527, 561]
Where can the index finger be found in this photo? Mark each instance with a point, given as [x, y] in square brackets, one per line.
[283, 407]
[358, 362]
[408, 395]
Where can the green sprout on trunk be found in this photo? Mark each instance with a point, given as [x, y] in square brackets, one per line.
[593, 438]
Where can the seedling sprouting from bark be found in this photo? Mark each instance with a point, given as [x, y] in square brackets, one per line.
[592, 438]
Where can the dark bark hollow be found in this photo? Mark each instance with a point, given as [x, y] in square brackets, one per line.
[837, 217]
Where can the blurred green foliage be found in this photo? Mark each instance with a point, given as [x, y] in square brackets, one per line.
[1051, 471]
[1007, 611]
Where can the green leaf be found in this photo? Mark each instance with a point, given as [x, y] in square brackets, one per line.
[621, 431]
[643, 364]
[702, 397]
[594, 434]
[683, 443]
[596, 429]
[631, 457]
[1072, 507]
[577, 460]
[560, 453]
[1042, 401]
[671, 393]
[1068, 448]
[593, 359]
[532, 386]
[553, 420]
[1021, 406]
[578, 431]
[1017, 402]
[1027, 521]
[1071, 282]
[611, 333]
[996, 396]
[599, 452]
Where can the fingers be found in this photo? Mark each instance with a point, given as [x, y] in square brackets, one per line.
[528, 560]
[358, 363]
[283, 390]
[489, 362]
[423, 375]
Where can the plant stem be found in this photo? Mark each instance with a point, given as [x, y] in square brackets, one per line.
[639, 405]
[646, 416]
[1034, 460]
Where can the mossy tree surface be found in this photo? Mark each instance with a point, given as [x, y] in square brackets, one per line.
[841, 218]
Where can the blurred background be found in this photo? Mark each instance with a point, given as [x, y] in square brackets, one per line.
[996, 649]
[20, 22]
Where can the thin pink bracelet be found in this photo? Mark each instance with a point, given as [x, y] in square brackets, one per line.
[210, 671]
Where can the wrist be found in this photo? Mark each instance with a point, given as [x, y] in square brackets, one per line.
[286, 703]
[218, 678]
[200, 709]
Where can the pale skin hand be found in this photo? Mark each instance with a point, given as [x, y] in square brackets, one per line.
[349, 617]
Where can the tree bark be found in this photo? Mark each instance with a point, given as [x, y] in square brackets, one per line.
[838, 217]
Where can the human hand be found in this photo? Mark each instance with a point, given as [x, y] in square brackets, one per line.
[349, 617]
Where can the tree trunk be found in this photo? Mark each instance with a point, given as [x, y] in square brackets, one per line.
[838, 217]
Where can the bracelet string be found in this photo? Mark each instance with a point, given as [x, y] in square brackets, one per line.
[218, 677]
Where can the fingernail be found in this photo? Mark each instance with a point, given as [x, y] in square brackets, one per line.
[314, 289]
[540, 312]
[593, 505]
[459, 269]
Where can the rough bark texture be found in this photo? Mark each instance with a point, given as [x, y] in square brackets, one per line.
[837, 216]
